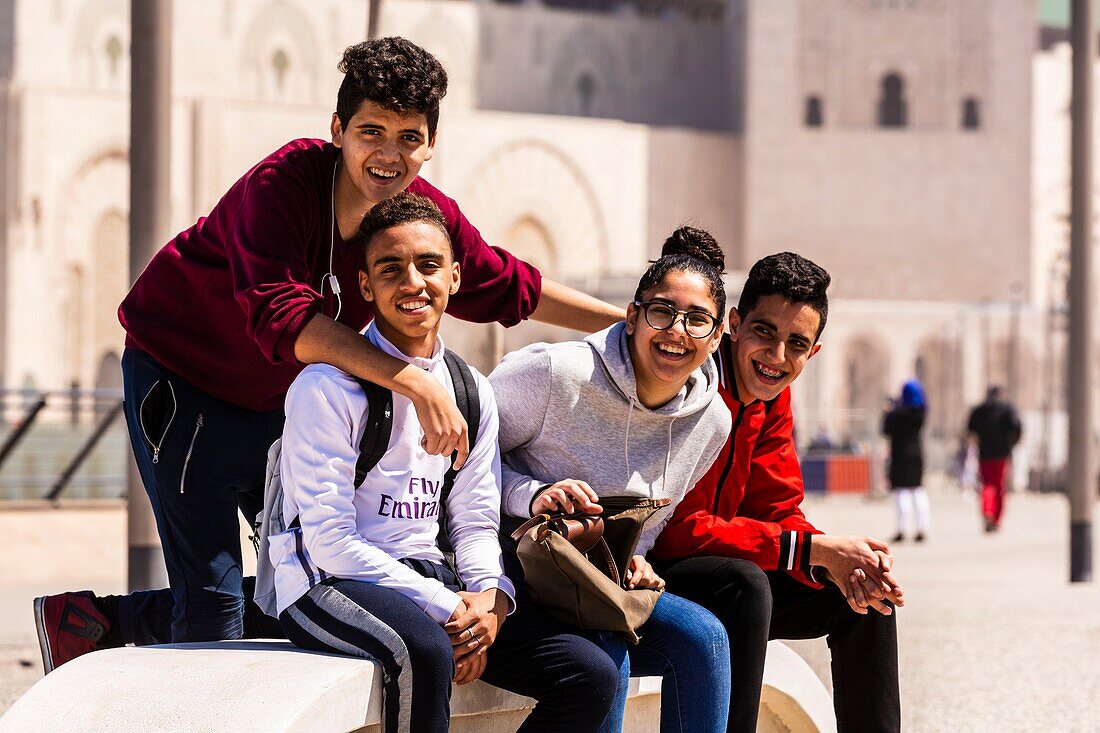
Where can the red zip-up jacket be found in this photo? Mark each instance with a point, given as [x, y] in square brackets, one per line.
[747, 504]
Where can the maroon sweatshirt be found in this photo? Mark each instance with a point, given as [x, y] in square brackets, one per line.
[223, 303]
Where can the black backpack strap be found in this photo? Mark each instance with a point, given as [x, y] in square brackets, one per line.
[469, 405]
[376, 432]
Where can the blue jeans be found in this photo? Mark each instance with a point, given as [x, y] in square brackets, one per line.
[201, 460]
[686, 645]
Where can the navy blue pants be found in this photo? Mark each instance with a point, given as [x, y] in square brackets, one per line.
[571, 677]
[201, 460]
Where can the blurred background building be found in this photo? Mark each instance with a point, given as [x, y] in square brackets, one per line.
[917, 149]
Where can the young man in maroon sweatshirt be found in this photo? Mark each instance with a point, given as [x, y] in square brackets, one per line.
[739, 544]
[227, 313]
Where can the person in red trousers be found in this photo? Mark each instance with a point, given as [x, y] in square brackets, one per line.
[995, 426]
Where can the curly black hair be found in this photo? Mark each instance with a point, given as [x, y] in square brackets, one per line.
[395, 74]
[402, 209]
[688, 249]
[792, 276]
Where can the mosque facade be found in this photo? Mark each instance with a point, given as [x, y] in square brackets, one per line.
[899, 143]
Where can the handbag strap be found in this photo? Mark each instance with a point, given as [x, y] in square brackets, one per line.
[532, 522]
[606, 564]
[544, 518]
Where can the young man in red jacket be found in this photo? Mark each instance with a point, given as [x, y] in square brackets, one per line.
[739, 544]
[228, 313]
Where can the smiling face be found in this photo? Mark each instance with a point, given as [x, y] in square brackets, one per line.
[410, 276]
[663, 360]
[382, 153]
[772, 344]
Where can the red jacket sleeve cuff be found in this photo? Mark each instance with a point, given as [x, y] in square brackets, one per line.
[794, 550]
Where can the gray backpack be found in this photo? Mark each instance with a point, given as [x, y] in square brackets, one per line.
[372, 446]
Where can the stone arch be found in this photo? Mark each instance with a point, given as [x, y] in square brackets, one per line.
[93, 244]
[100, 43]
[529, 238]
[941, 374]
[532, 181]
[586, 78]
[864, 385]
[109, 373]
[110, 268]
[279, 55]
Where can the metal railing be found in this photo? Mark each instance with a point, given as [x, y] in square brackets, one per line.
[62, 442]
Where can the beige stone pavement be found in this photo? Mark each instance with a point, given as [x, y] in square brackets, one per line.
[994, 638]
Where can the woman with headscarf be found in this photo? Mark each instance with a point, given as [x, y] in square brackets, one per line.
[902, 425]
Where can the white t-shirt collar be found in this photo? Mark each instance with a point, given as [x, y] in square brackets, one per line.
[375, 337]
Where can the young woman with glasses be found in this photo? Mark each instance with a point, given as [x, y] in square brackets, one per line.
[630, 411]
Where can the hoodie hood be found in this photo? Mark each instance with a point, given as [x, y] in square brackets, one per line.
[612, 352]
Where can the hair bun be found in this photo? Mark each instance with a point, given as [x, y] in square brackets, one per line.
[695, 243]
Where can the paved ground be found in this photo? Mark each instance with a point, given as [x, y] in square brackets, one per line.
[994, 637]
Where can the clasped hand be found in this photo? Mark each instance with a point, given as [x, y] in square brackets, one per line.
[473, 627]
[862, 568]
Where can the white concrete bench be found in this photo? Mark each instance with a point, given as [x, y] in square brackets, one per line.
[272, 686]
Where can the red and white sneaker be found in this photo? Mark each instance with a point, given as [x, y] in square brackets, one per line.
[69, 625]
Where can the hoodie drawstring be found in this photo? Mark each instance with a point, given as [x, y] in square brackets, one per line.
[626, 443]
[626, 450]
[668, 460]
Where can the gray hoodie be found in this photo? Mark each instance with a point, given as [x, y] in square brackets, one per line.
[571, 411]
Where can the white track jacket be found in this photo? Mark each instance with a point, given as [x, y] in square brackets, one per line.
[361, 534]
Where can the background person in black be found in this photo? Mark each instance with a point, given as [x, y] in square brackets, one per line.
[902, 425]
[995, 426]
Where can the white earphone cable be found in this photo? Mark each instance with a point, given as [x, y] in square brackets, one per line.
[330, 276]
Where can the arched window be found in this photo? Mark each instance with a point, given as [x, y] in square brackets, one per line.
[971, 114]
[892, 108]
[114, 53]
[586, 91]
[815, 116]
[107, 281]
[280, 64]
[109, 374]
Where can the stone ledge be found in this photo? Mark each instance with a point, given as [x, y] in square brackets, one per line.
[273, 686]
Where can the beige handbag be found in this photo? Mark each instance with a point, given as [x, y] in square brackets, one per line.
[574, 564]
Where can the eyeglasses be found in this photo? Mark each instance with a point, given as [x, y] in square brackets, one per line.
[662, 317]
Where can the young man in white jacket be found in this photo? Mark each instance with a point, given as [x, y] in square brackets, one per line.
[362, 574]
